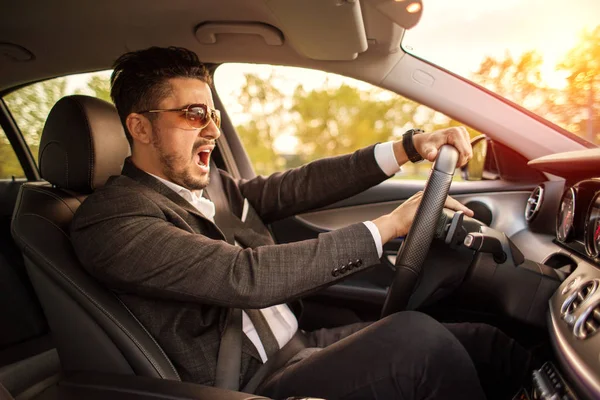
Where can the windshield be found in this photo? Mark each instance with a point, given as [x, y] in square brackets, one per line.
[544, 55]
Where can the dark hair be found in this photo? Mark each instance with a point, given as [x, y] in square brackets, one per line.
[139, 80]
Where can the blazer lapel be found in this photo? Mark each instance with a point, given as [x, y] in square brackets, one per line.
[133, 172]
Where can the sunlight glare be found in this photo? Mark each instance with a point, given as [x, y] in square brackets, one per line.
[413, 8]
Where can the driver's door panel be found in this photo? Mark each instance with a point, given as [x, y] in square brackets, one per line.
[365, 293]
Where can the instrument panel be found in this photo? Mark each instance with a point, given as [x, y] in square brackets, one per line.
[592, 228]
[578, 219]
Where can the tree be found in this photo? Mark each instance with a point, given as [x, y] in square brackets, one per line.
[580, 109]
[326, 121]
[99, 86]
[337, 120]
[517, 79]
[31, 105]
[9, 164]
[263, 104]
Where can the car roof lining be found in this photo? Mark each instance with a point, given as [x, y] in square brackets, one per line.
[68, 36]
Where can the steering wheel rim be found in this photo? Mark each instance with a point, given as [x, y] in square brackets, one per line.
[415, 246]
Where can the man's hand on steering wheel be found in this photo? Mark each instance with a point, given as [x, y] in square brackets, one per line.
[428, 144]
[397, 223]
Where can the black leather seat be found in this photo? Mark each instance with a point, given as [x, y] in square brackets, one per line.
[82, 145]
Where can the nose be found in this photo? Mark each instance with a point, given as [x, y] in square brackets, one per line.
[211, 131]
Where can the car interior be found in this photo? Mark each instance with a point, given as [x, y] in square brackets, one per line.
[528, 261]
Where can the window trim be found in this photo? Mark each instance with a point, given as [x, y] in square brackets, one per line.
[229, 134]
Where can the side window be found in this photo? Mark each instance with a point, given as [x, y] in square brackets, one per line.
[289, 116]
[30, 105]
[10, 167]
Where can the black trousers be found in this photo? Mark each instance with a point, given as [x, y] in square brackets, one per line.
[405, 356]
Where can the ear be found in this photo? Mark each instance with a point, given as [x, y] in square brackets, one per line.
[139, 128]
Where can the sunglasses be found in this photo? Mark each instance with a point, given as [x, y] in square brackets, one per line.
[197, 116]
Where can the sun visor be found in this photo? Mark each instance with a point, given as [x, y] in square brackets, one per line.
[322, 29]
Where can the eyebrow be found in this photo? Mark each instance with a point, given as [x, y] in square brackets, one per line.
[189, 104]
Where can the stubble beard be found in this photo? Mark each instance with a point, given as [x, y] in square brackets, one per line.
[175, 166]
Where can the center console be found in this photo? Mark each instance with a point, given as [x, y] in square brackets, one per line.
[547, 384]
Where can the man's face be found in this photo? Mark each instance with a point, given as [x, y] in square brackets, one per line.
[184, 152]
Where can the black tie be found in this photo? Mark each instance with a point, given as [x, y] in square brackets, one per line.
[264, 331]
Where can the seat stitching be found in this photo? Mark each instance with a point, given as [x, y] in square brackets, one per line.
[41, 155]
[111, 317]
[53, 195]
[90, 142]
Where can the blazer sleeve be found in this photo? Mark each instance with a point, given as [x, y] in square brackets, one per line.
[126, 240]
[313, 185]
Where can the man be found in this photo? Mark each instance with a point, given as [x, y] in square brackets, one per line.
[183, 265]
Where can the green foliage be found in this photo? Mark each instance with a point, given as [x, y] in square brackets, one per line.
[99, 87]
[31, 105]
[9, 164]
[261, 100]
[326, 121]
[338, 120]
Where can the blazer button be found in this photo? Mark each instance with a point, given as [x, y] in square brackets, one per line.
[344, 269]
[351, 265]
[358, 262]
[335, 272]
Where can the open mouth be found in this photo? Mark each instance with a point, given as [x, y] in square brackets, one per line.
[202, 157]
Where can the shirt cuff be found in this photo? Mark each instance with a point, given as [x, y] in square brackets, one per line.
[376, 236]
[386, 159]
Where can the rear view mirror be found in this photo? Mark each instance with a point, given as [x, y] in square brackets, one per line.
[473, 171]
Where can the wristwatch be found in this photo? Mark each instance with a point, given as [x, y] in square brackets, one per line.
[409, 146]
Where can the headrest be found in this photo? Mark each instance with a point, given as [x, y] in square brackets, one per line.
[82, 144]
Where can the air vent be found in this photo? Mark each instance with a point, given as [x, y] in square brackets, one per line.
[588, 323]
[576, 299]
[534, 203]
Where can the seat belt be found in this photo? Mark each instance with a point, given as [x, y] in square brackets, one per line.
[229, 359]
[296, 344]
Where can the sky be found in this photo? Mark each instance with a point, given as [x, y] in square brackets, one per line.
[458, 34]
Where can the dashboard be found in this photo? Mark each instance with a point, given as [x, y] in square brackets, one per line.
[578, 219]
[574, 309]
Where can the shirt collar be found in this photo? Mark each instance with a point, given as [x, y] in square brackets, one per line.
[180, 190]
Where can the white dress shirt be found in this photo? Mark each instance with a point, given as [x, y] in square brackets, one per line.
[281, 320]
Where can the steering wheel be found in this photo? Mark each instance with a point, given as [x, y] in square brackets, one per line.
[416, 244]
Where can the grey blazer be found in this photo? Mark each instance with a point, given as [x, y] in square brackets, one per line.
[174, 270]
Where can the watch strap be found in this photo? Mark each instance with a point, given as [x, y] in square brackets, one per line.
[409, 146]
